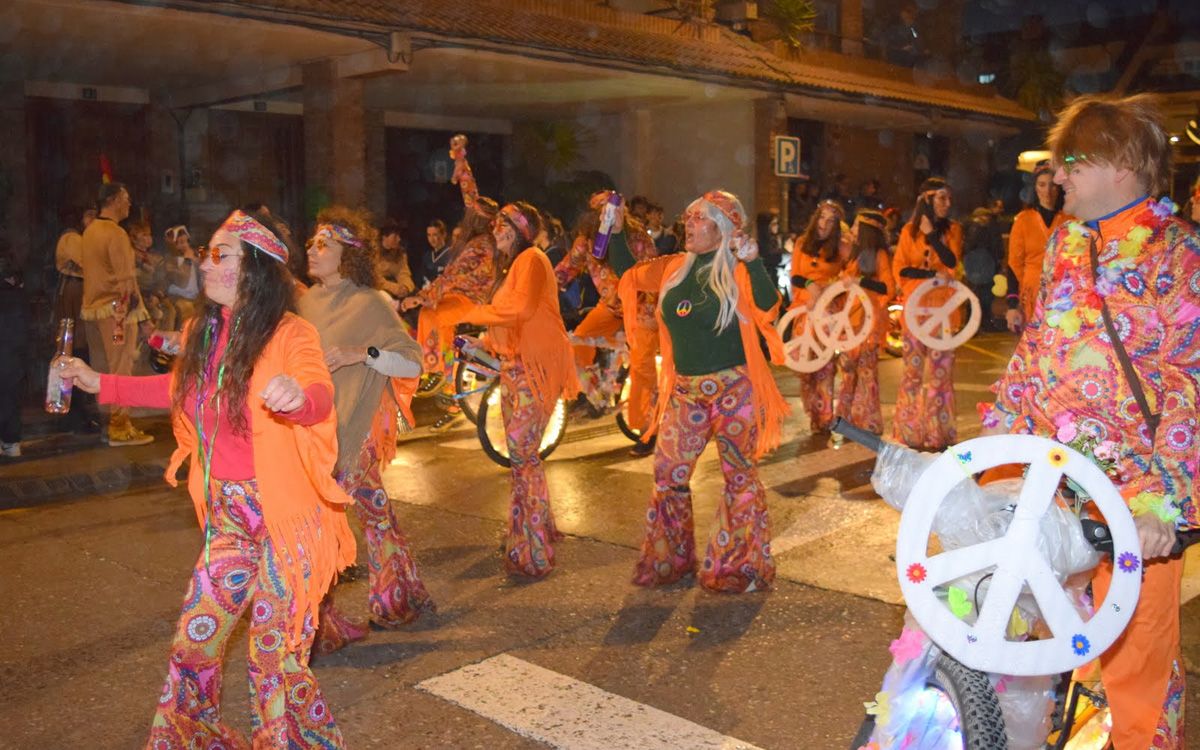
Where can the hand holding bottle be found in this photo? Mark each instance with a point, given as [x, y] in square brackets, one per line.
[78, 371]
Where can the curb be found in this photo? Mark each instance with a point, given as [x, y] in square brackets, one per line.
[26, 492]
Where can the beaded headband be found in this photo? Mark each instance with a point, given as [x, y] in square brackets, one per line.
[248, 229]
[339, 233]
[518, 220]
[726, 203]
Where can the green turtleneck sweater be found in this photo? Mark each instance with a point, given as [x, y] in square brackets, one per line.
[700, 349]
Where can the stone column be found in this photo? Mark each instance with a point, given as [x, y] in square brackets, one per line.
[850, 23]
[770, 120]
[335, 142]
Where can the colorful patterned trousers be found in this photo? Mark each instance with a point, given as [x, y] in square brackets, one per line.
[395, 592]
[858, 389]
[643, 369]
[816, 393]
[528, 546]
[242, 572]
[738, 556]
[1143, 672]
[925, 402]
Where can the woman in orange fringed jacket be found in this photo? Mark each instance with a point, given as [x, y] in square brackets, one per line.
[469, 279]
[713, 308]
[537, 367]
[252, 406]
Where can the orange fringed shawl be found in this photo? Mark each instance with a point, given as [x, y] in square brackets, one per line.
[303, 506]
[770, 409]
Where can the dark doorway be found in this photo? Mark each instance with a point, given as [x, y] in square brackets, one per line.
[418, 178]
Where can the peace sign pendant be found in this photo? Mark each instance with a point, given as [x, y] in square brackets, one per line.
[684, 308]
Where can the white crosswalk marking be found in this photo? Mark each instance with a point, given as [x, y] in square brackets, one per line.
[566, 713]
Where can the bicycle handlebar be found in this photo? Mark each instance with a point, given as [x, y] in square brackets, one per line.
[868, 440]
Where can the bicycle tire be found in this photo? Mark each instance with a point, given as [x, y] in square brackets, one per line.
[623, 404]
[465, 381]
[490, 416]
[975, 702]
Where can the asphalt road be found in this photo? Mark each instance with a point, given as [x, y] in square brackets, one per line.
[96, 553]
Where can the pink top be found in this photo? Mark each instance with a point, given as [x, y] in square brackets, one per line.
[233, 454]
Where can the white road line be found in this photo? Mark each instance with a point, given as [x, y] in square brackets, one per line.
[565, 713]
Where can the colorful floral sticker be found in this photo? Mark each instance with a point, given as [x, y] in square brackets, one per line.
[1057, 457]
[916, 572]
[1128, 562]
[1080, 645]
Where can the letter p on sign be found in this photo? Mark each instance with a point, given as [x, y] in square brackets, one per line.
[787, 156]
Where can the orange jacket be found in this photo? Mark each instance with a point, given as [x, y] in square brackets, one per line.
[303, 506]
[1027, 242]
[883, 274]
[524, 323]
[770, 409]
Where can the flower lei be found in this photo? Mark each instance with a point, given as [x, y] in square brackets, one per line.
[1104, 453]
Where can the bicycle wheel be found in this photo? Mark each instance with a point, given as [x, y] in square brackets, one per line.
[623, 407]
[492, 436]
[963, 697]
[469, 386]
[975, 703]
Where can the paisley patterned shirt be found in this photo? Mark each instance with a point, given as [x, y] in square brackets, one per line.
[1065, 365]
[579, 259]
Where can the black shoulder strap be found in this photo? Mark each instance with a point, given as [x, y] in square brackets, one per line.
[1131, 376]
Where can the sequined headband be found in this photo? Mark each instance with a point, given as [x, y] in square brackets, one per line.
[339, 233]
[247, 229]
[724, 202]
[518, 220]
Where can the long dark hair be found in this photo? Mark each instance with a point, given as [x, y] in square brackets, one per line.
[265, 292]
[924, 206]
[812, 245]
[871, 239]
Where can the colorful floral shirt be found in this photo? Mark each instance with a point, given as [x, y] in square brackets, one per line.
[1064, 365]
[472, 274]
[579, 259]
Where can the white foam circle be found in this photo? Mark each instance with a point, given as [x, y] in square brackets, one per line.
[1016, 560]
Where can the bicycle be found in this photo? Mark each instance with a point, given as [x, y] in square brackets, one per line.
[951, 703]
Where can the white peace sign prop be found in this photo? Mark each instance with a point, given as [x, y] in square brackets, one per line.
[834, 328]
[1016, 560]
[802, 351]
[932, 326]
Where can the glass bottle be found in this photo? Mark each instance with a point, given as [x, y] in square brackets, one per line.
[58, 388]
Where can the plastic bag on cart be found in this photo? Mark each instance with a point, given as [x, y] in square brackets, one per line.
[1026, 704]
[971, 514]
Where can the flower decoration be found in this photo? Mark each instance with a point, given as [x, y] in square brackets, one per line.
[880, 708]
[1164, 208]
[960, 602]
[1127, 562]
[1057, 457]
[1080, 644]
[916, 573]
[1152, 502]
[908, 646]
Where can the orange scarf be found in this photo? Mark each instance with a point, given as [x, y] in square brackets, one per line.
[770, 409]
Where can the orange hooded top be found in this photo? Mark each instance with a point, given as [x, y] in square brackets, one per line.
[303, 506]
[770, 409]
[1027, 242]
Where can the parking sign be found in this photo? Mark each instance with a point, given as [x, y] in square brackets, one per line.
[787, 156]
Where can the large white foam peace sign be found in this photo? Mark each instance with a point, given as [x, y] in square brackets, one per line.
[1015, 561]
[933, 324]
[802, 351]
[833, 322]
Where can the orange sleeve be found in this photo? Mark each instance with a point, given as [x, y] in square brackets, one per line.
[1016, 247]
[883, 271]
[519, 303]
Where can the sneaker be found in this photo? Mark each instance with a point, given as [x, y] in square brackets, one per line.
[132, 436]
[836, 440]
[428, 384]
[10, 450]
[446, 421]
